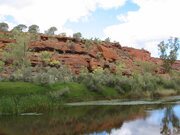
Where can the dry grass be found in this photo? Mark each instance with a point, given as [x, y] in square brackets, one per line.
[166, 92]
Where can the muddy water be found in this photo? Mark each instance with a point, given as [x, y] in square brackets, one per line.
[144, 117]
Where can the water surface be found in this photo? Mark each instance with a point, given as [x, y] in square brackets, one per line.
[145, 117]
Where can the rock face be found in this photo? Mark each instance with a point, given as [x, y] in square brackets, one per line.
[108, 54]
[141, 55]
[91, 54]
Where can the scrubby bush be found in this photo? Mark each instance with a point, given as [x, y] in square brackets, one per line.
[27, 74]
[77, 36]
[55, 63]
[57, 95]
[4, 26]
[2, 64]
[147, 67]
[124, 84]
[94, 85]
[63, 34]
[108, 40]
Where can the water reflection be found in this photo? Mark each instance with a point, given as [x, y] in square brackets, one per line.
[97, 120]
[160, 122]
[170, 123]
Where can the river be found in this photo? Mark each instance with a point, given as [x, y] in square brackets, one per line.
[116, 117]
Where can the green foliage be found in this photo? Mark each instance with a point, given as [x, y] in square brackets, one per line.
[34, 103]
[4, 26]
[45, 55]
[77, 36]
[51, 31]
[7, 106]
[20, 27]
[57, 95]
[27, 74]
[147, 67]
[44, 78]
[99, 54]
[108, 40]
[33, 28]
[63, 34]
[20, 88]
[48, 76]
[98, 41]
[17, 75]
[87, 44]
[169, 52]
[71, 45]
[2, 65]
[17, 52]
[121, 66]
[55, 62]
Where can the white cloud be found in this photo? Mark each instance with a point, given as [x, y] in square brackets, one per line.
[137, 127]
[47, 13]
[122, 18]
[155, 21]
[107, 4]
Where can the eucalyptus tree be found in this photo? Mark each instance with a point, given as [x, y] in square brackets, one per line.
[51, 31]
[33, 28]
[4, 26]
[169, 52]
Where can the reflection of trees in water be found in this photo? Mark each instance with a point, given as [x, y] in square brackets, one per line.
[170, 123]
[73, 120]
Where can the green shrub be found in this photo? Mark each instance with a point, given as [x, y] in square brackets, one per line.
[94, 85]
[55, 62]
[147, 67]
[124, 84]
[57, 95]
[16, 75]
[77, 36]
[2, 65]
[27, 74]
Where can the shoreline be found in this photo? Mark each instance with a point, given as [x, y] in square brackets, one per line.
[23, 97]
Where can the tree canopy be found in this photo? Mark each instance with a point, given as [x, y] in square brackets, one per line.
[51, 31]
[77, 36]
[169, 52]
[33, 28]
[20, 27]
[4, 26]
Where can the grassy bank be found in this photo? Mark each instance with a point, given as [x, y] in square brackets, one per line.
[22, 97]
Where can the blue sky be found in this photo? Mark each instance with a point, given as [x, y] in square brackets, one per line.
[133, 23]
[100, 19]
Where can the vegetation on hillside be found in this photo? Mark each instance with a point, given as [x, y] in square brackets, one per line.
[48, 84]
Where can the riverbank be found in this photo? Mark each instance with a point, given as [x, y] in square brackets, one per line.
[25, 97]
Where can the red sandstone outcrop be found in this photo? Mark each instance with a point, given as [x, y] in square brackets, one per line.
[75, 54]
[141, 55]
[108, 54]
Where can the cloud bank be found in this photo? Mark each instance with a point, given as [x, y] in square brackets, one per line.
[47, 13]
[156, 20]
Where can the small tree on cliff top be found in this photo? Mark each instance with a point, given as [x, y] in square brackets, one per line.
[51, 31]
[20, 27]
[77, 36]
[169, 52]
[4, 26]
[33, 28]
